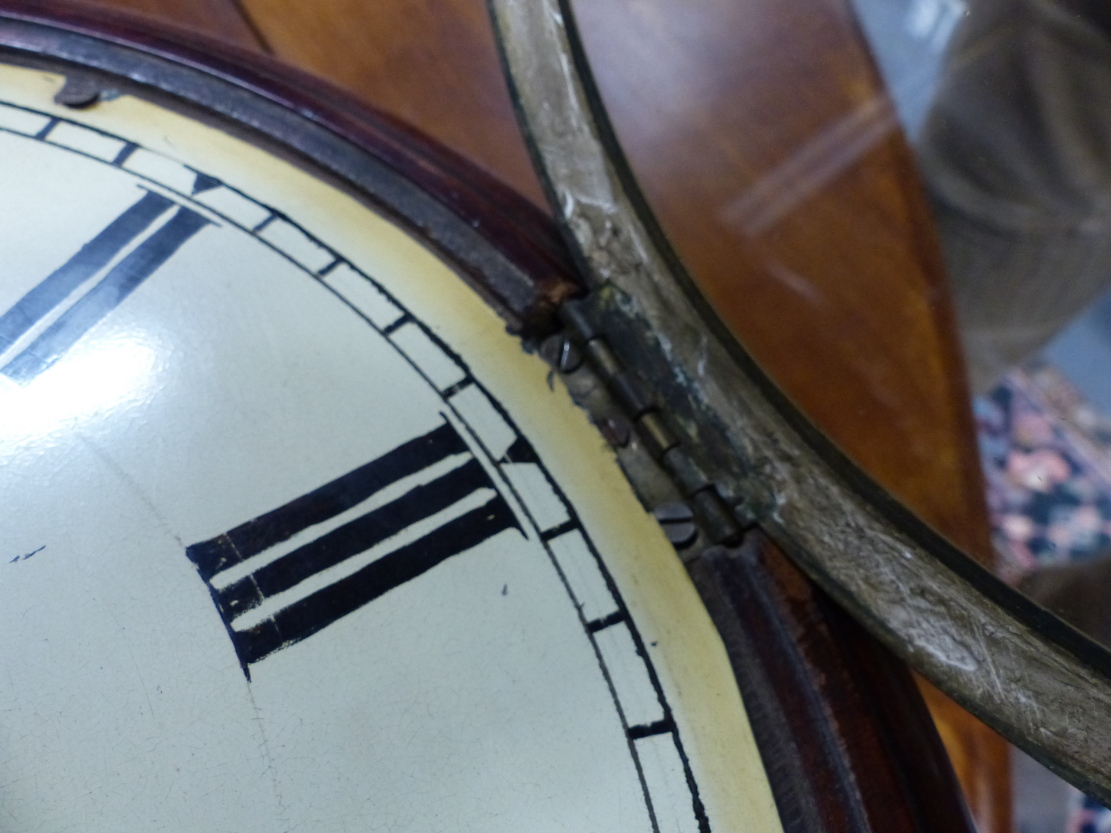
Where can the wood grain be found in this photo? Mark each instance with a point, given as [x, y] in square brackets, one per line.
[980, 758]
[431, 63]
[216, 18]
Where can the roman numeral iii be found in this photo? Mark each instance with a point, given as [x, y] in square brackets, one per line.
[287, 574]
[45, 300]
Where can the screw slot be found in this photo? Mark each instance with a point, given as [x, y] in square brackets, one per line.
[677, 521]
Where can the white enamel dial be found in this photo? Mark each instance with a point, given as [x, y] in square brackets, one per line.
[295, 537]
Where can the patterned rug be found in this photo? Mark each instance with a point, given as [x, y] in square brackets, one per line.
[1088, 816]
[1046, 455]
[1047, 459]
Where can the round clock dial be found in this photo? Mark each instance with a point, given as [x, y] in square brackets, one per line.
[297, 536]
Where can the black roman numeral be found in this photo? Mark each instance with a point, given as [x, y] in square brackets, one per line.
[121, 280]
[236, 591]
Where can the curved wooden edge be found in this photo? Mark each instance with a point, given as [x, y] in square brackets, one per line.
[514, 225]
[827, 699]
[981, 759]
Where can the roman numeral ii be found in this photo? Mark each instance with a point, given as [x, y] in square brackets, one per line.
[292, 572]
[42, 302]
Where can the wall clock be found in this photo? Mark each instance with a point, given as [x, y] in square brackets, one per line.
[300, 536]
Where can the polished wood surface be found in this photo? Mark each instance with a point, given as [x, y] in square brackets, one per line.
[432, 63]
[760, 132]
[980, 758]
[811, 238]
[221, 18]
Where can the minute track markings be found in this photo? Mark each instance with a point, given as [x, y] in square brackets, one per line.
[124, 154]
[687, 782]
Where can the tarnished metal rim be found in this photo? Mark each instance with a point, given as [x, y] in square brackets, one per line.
[1041, 684]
